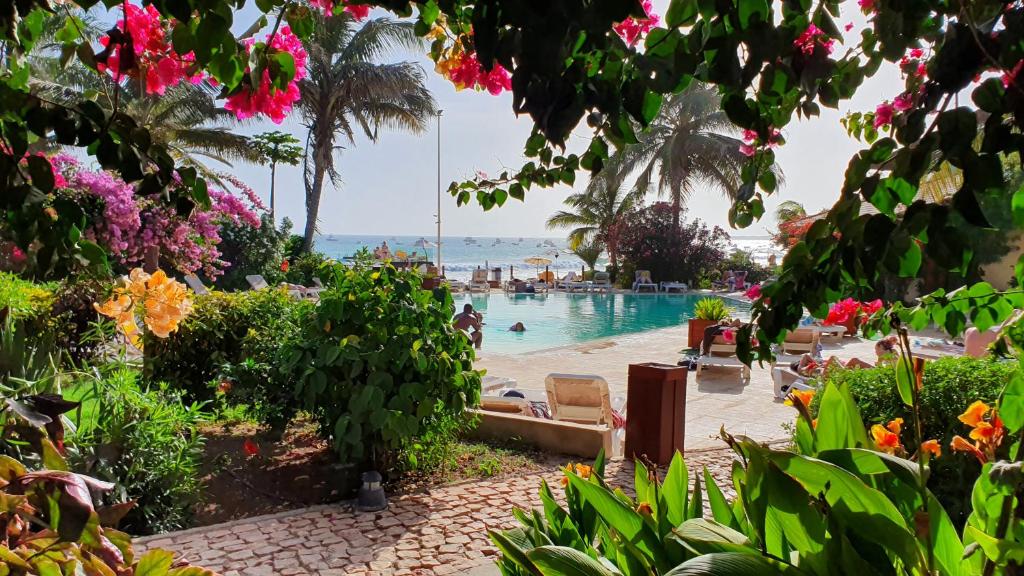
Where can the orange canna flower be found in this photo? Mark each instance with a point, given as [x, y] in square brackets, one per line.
[284, 266]
[931, 447]
[983, 432]
[583, 471]
[975, 413]
[802, 396]
[895, 426]
[960, 445]
[885, 439]
[644, 509]
[814, 423]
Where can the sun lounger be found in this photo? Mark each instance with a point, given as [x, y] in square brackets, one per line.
[602, 282]
[723, 355]
[801, 340]
[680, 286]
[506, 405]
[494, 385]
[455, 285]
[564, 281]
[195, 284]
[257, 282]
[579, 398]
[479, 281]
[643, 280]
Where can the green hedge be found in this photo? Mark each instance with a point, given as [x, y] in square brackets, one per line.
[950, 385]
[233, 338]
[25, 299]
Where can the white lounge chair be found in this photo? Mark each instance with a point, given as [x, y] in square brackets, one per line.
[196, 284]
[479, 281]
[722, 354]
[643, 280]
[455, 285]
[506, 405]
[566, 280]
[602, 281]
[257, 282]
[801, 340]
[669, 286]
[497, 384]
[579, 398]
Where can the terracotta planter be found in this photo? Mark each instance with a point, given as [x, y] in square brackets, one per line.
[697, 328]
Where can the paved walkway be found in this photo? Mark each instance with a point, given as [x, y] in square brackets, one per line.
[442, 531]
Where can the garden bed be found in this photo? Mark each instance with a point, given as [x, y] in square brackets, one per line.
[300, 471]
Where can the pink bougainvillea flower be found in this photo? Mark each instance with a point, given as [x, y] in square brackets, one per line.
[811, 38]
[883, 115]
[1011, 76]
[903, 102]
[916, 53]
[263, 99]
[848, 27]
[866, 6]
[751, 141]
[754, 292]
[633, 29]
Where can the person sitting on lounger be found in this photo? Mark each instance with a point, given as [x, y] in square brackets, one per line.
[716, 329]
[468, 319]
[810, 368]
[517, 327]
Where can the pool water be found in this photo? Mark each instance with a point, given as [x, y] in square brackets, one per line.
[560, 319]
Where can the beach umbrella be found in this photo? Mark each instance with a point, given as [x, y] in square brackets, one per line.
[424, 243]
[538, 261]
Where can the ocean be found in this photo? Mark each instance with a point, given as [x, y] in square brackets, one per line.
[461, 255]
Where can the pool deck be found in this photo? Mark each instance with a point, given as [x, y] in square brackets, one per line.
[718, 400]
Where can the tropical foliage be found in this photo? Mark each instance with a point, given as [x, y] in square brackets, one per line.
[277, 147]
[381, 368]
[350, 91]
[594, 215]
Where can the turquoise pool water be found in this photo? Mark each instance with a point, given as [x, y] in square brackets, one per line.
[559, 319]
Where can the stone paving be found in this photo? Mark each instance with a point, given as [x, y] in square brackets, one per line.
[438, 532]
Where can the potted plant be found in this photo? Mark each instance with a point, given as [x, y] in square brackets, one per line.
[707, 312]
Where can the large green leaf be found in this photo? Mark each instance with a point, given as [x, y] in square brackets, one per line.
[792, 523]
[839, 421]
[707, 536]
[720, 509]
[514, 545]
[674, 490]
[905, 380]
[154, 563]
[563, 561]
[629, 524]
[732, 564]
[865, 511]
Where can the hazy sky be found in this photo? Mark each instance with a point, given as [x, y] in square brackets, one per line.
[390, 187]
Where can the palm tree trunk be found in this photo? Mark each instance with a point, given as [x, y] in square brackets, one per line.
[677, 208]
[313, 204]
[273, 171]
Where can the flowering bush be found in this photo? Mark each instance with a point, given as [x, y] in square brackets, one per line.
[647, 240]
[126, 223]
[458, 62]
[850, 312]
[330, 7]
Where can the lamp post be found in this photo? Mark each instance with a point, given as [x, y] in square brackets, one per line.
[439, 268]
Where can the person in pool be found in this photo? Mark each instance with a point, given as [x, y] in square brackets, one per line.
[468, 319]
[517, 327]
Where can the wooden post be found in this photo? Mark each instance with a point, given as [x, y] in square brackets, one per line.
[511, 271]
[545, 273]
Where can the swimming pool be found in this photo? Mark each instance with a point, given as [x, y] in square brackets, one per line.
[560, 319]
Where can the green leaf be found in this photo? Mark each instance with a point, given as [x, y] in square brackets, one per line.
[674, 489]
[839, 421]
[514, 545]
[905, 380]
[1011, 407]
[1017, 207]
[720, 509]
[563, 561]
[155, 563]
[998, 551]
[708, 536]
[732, 564]
[681, 13]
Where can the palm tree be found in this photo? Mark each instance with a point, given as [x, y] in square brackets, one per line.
[789, 210]
[347, 90]
[589, 252]
[594, 213]
[690, 143]
[277, 147]
[185, 119]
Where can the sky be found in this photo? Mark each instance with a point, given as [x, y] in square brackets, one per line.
[389, 187]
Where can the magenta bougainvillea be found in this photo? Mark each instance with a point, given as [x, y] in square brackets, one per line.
[126, 224]
[633, 29]
[358, 11]
[272, 102]
[850, 312]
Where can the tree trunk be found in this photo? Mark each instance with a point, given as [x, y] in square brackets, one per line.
[313, 204]
[273, 174]
[677, 208]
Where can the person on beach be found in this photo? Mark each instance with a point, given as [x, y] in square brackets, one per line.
[470, 319]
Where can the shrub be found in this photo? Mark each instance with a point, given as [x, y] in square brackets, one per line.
[711, 309]
[647, 240]
[302, 268]
[949, 386]
[249, 250]
[146, 441]
[237, 337]
[25, 299]
[381, 367]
